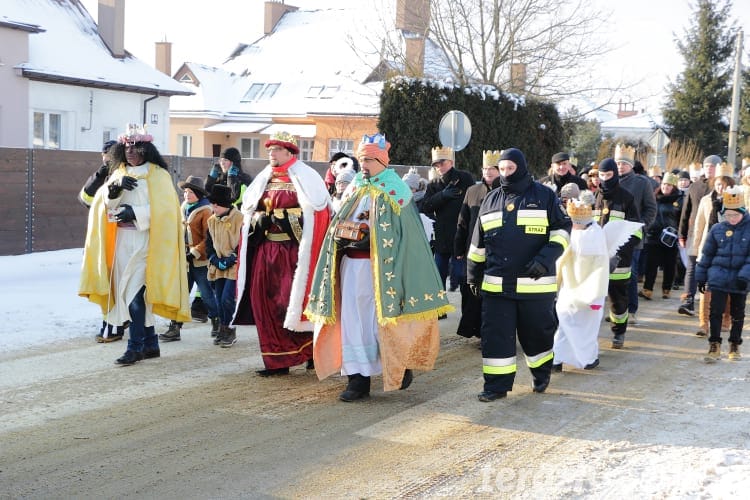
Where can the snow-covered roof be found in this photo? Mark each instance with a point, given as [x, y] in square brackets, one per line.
[65, 47]
[316, 61]
[646, 121]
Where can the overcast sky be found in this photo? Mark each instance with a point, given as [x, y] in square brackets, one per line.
[207, 31]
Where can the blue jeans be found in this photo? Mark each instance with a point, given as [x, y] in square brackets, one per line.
[199, 276]
[633, 286]
[225, 291]
[448, 265]
[141, 337]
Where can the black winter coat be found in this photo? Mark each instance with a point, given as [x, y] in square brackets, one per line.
[668, 211]
[467, 218]
[235, 183]
[443, 210]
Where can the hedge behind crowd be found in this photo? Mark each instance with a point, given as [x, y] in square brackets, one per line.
[411, 109]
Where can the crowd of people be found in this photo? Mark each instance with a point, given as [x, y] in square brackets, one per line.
[348, 273]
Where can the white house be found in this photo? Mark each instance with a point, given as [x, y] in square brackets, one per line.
[68, 83]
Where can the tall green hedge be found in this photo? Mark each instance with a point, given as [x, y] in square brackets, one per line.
[411, 109]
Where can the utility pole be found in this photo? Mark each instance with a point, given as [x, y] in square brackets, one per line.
[735, 116]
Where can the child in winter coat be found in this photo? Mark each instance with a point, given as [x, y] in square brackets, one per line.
[221, 247]
[724, 269]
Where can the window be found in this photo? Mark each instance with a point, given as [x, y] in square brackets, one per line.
[253, 92]
[345, 145]
[306, 149]
[109, 134]
[250, 148]
[47, 130]
[186, 78]
[314, 91]
[269, 91]
[328, 92]
[184, 144]
[322, 91]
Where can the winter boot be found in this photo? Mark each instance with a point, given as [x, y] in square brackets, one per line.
[357, 388]
[646, 294]
[172, 333]
[198, 310]
[665, 294]
[618, 341]
[714, 352]
[687, 307]
[214, 327]
[734, 352]
[228, 337]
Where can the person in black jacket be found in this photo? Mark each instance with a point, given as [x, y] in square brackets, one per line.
[521, 232]
[613, 202]
[561, 173]
[471, 305]
[228, 172]
[661, 238]
[442, 203]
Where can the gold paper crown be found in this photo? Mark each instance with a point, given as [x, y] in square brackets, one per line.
[695, 168]
[489, 158]
[624, 152]
[439, 154]
[733, 198]
[284, 136]
[670, 178]
[724, 170]
[579, 211]
[655, 171]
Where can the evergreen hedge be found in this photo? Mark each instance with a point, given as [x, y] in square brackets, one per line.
[411, 109]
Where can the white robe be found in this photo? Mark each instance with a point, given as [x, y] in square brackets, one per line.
[583, 271]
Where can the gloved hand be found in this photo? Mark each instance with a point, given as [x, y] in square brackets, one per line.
[215, 171]
[103, 171]
[229, 260]
[613, 263]
[474, 289]
[718, 204]
[702, 286]
[740, 284]
[115, 188]
[125, 214]
[259, 224]
[218, 262]
[283, 222]
[233, 171]
[451, 192]
[535, 269]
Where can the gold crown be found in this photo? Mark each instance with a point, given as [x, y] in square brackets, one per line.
[724, 170]
[579, 211]
[624, 152]
[695, 169]
[489, 158]
[655, 171]
[285, 137]
[670, 178]
[439, 154]
[733, 198]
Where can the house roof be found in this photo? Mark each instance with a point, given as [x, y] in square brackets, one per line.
[65, 47]
[316, 61]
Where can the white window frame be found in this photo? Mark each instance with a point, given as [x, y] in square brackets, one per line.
[345, 145]
[250, 147]
[306, 147]
[44, 138]
[253, 92]
[184, 144]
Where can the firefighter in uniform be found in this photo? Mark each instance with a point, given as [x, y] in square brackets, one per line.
[613, 202]
[521, 232]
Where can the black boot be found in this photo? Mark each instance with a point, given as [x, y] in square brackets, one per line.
[172, 333]
[198, 310]
[406, 381]
[215, 325]
[357, 388]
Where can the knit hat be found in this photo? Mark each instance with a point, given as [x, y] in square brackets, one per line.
[233, 155]
[625, 153]
[107, 145]
[670, 178]
[711, 160]
[560, 157]
[345, 175]
[285, 140]
[338, 156]
[376, 147]
[684, 174]
[342, 163]
[733, 198]
[415, 181]
[195, 183]
[440, 154]
[516, 156]
[221, 195]
[570, 191]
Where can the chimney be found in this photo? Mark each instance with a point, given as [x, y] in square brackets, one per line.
[112, 25]
[623, 112]
[164, 57]
[274, 10]
[414, 64]
[518, 77]
[413, 16]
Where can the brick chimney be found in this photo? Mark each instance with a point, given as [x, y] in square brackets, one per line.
[518, 77]
[112, 25]
[274, 9]
[623, 112]
[413, 19]
[163, 57]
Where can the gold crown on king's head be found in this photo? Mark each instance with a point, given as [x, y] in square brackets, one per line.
[490, 158]
[442, 153]
[623, 152]
[724, 170]
[579, 211]
[655, 171]
[733, 198]
[285, 137]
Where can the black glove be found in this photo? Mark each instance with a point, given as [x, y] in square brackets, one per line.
[474, 289]
[740, 284]
[451, 192]
[115, 188]
[535, 269]
[702, 286]
[284, 223]
[229, 260]
[125, 214]
[613, 263]
[103, 171]
[259, 224]
[718, 204]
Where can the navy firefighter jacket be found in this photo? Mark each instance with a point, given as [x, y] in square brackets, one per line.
[513, 229]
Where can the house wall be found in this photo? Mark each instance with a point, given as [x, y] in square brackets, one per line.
[340, 128]
[88, 112]
[14, 98]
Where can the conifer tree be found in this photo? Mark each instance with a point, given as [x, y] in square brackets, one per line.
[701, 95]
